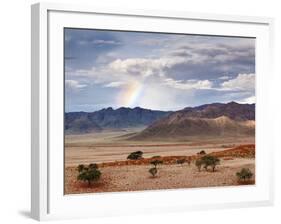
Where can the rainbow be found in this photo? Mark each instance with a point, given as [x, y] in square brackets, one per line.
[130, 94]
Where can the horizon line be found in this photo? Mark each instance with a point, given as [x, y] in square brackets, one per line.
[106, 108]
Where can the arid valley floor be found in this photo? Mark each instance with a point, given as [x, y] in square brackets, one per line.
[110, 152]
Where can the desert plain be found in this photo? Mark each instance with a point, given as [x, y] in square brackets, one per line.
[109, 149]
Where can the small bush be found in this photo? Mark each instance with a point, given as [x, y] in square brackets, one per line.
[93, 166]
[80, 168]
[88, 174]
[155, 157]
[153, 171]
[181, 161]
[156, 162]
[244, 174]
[202, 152]
[210, 161]
[135, 155]
[207, 161]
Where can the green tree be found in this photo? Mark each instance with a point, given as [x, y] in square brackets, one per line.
[135, 155]
[211, 161]
[153, 171]
[156, 162]
[88, 174]
[202, 152]
[80, 168]
[244, 174]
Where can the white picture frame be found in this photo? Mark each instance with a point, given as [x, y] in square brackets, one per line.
[48, 201]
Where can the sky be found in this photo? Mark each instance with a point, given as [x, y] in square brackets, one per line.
[158, 71]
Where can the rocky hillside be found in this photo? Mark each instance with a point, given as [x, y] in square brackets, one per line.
[217, 119]
[232, 110]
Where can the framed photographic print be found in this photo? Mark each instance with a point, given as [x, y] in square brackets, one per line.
[148, 111]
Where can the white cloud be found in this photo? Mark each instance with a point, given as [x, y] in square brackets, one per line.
[112, 42]
[73, 85]
[188, 84]
[248, 100]
[245, 82]
[131, 69]
[144, 67]
[82, 42]
[114, 84]
[225, 77]
[160, 97]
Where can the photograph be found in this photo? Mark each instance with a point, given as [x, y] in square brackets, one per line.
[157, 111]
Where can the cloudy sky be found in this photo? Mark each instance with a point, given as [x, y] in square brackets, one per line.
[156, 71]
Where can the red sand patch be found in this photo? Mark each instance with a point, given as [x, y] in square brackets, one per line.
[242, 151]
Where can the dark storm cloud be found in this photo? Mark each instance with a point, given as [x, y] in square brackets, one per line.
[87, 45]
[211, 61]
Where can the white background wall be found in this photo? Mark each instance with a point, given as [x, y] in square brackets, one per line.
[15, 110]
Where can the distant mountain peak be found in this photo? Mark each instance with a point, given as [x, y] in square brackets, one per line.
[109, 118]
[218, 119]
[233, 102]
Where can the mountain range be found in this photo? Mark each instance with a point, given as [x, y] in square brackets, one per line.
[123, 117]
[231, 119]
[205, 120]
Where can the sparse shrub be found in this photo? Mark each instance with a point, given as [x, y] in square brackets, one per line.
[210, 161]
[244, 174]
[198, 164]
[153, 171]
[181, 161]
[155, 157]
[80, 168]
[93, 166]
[156, 162]
[207, 161]
[88, 174]
[135, 155]
[202, 152]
